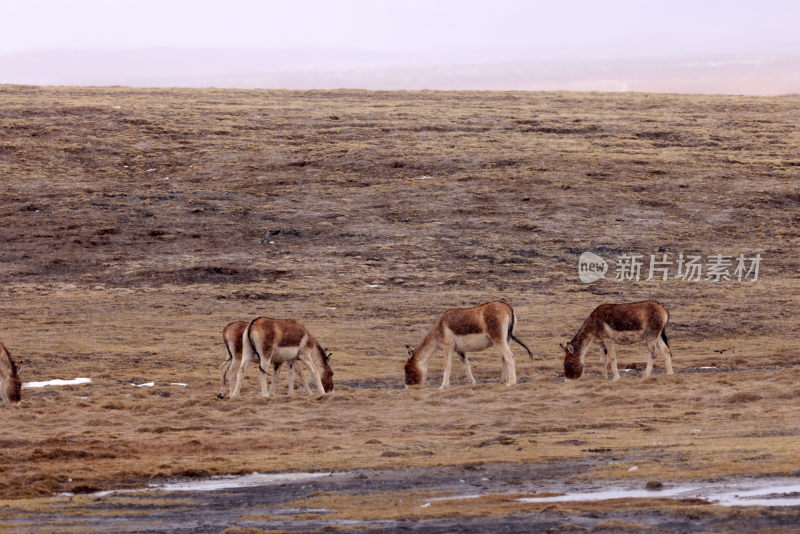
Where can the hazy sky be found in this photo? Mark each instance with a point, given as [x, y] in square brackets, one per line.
[543, 29]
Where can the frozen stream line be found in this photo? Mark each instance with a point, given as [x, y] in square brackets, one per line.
[742, 492]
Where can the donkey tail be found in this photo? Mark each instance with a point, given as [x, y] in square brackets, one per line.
[524, 346]
[226, 365]
[664, 336]
[252, 345]
[511, 334]
[227, 348]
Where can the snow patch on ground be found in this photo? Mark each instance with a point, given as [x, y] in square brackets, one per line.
[225, 482]
[57, 382]
[754, 492]
[744, 492]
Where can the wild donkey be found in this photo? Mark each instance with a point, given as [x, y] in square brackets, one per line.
[462, 330]
[232, 339]
[10, 384]
[276, 341]
[624, 324]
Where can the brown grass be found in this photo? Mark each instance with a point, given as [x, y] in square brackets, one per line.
[133, 225]
[410, 506]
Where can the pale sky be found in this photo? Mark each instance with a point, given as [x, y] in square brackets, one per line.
[543, 29]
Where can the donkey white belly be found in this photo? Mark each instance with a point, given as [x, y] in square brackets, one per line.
[285, 354]
[624, 337]
[472, 342]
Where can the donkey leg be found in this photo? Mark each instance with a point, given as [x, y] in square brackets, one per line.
[498, 333]
[448, 367]
[611, 358]
[312, 370]
[226, 366]
[651, 360]
[262, 379]
[247, 356]
[291, 373]
[297, 370]
[264, 362]
[273, 386]
[666, 352]
[237, 386]
[508, 363]
[467, 368]
[605, 360]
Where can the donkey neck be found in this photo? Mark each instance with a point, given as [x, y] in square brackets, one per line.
[8, 368]
[582, 340]
[427, 348]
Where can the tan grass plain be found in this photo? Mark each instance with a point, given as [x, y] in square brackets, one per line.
[133, 227]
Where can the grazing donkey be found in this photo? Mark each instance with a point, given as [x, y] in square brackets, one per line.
[10, 384]
[276, 341]
[462, 330]
[624, 324]
[232, 339]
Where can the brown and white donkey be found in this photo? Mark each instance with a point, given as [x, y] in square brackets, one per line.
[624, 324]
[462, 330]
[232, 339]
[279, 341]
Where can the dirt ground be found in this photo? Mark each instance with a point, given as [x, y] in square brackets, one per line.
[136, 224]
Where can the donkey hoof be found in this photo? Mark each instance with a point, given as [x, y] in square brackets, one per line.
[220, 396]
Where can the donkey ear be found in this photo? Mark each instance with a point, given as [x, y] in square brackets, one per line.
[19, 365]
[410, 351]
[562, 346]
[326, 355]
[570, 347]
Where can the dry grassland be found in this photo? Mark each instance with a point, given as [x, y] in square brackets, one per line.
[134, 225]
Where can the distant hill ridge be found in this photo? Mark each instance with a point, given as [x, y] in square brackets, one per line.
[759, 74]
